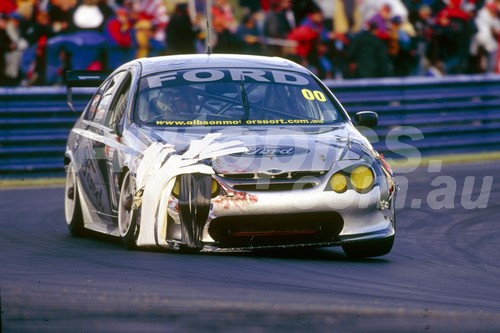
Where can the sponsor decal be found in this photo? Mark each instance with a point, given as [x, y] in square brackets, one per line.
[234, 74]
[197, 122]
[274, 171]
[266, 151]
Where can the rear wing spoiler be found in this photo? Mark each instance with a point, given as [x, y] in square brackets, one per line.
[82, 79]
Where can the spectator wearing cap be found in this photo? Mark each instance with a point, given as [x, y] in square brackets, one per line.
[119, 35]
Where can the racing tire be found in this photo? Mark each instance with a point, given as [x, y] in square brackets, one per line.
[128, 218]
[72, 206]
[369, 248]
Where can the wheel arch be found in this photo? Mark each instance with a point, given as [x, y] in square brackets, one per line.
[68, 157]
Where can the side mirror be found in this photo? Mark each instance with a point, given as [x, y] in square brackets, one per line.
[366, 118]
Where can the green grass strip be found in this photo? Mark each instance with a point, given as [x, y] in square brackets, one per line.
[32, 182]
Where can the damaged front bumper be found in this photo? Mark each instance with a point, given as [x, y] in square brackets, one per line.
[300, 218]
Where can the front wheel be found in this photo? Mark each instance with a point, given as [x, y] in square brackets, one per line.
[369, 248]
[128, 218]
[72, 207]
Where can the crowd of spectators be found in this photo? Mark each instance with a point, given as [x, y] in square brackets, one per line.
[39, 39]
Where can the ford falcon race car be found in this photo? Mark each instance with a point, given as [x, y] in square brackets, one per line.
[207, 152]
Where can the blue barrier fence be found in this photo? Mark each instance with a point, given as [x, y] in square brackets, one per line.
[436, 116]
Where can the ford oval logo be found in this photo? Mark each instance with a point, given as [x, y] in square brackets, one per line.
[267, 151]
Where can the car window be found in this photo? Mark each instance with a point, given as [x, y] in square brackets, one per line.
[233, 96]
[107, 97]
[91, 111]
[119, 102]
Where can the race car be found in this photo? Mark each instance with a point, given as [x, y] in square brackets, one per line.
[220, 152]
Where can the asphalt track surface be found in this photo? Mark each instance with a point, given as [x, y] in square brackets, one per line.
[443, 275]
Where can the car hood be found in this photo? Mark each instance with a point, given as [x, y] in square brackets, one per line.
[274, 150]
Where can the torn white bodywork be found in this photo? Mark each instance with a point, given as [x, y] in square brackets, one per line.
[156, 176]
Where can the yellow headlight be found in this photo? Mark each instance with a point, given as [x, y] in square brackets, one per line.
[338, 182]
[215, 188]
[362, 178]
[177, 187]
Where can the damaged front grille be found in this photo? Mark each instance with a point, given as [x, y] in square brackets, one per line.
[294, 175]
[276, 229]
[285, 181]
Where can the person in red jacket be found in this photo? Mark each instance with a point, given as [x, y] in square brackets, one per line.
[7, 6]
[311, 38]
[119, 34]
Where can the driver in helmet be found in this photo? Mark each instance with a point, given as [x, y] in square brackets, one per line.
[170, 102]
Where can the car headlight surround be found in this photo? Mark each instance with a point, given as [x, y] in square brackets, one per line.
[362, 178]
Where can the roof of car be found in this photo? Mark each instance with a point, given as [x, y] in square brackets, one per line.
[181, 62]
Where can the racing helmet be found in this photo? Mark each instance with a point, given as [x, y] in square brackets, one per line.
[163, 102]
[179, 100]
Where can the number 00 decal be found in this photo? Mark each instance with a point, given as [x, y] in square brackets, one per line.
[319, 96]
[312, 95]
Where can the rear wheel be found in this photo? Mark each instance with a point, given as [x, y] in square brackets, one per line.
[369, 248]
[128, 218]
[72, 207]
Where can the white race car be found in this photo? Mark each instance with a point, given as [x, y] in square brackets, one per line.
[225, 151]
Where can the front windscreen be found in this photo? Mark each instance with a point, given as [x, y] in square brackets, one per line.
[232, 97]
